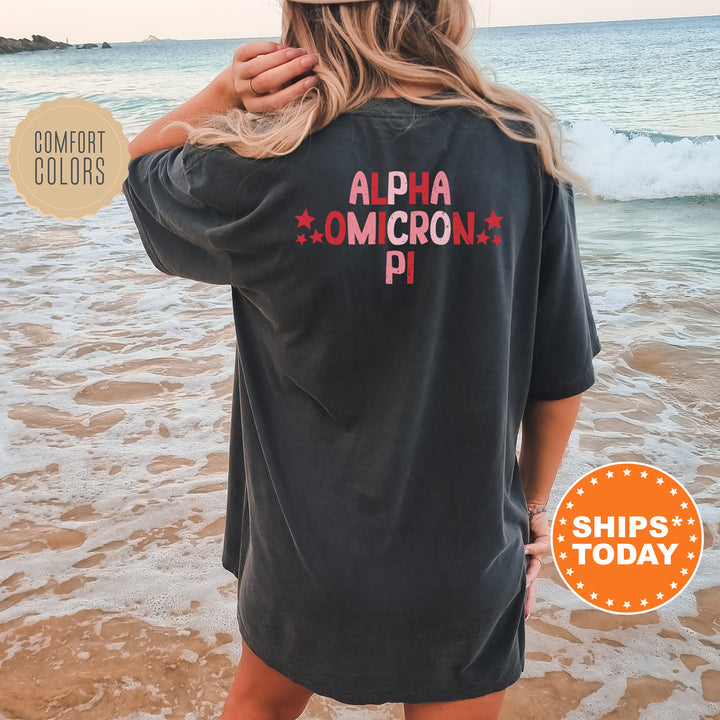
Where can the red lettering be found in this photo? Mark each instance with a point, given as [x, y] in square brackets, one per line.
[459, 230]
[423, 188]
[340, 237]
[375, 199]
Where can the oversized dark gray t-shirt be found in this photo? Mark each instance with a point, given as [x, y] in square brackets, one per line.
[402, 283]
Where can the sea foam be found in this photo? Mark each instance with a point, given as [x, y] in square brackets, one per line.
[638, 166]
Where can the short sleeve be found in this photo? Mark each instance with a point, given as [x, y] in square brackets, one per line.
[566, 339]
[172, 222]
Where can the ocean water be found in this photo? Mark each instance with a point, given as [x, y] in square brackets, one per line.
[115, 390]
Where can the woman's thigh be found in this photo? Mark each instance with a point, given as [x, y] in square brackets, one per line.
[486, 707]
[259, 692]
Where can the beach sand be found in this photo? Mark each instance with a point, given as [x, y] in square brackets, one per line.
[113, 601]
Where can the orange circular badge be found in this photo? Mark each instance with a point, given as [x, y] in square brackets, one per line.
[627, 538]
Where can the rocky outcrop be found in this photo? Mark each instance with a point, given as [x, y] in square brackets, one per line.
[38, 42]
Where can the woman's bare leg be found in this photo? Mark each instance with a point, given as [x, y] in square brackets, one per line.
[486, 707]
[260, 693]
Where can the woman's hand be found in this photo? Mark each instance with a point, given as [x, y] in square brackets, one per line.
[267, 64]
[538, 546]
[266, 75]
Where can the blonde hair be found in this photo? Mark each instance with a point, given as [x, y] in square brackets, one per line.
[369, 47]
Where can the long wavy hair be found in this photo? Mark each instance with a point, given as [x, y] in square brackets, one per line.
[366, 48]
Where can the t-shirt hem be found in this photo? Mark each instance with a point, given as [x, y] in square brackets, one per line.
[374, 696]
[229, 567]
[566, 391]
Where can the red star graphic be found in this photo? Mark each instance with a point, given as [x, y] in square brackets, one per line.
[497, 239]
[305, 219]
[316, 237]
[483, 238]
[493, 220]
[301, 239]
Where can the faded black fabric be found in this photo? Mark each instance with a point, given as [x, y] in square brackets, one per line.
[375, 515]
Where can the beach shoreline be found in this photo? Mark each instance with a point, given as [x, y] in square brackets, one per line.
[115, 482]
[116, 385]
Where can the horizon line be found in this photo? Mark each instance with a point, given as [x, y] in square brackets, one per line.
[477, 27]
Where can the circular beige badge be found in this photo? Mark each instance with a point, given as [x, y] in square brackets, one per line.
[68, 158]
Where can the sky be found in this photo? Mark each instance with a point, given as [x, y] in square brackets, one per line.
[133, 20]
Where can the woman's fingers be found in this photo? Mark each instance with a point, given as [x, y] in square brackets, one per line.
[529, 599]
[536, 549]
[283, 97]
[248, 51]
[266, 75]
[260, 64]
[276, 76]
[533, 570]
[540, 546]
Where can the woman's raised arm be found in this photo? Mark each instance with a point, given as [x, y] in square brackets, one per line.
[269, 65]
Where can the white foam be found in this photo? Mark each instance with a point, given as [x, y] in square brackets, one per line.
[616, 298]
[97, 291]
[624, 166]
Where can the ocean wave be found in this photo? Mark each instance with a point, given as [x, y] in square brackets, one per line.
[636, 166]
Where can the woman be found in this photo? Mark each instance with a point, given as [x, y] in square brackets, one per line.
[398, 234]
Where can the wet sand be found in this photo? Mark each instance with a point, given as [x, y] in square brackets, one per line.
[113, 601]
